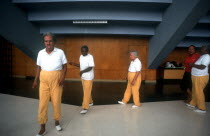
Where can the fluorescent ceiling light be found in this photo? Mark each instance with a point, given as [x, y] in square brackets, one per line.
[90, 22]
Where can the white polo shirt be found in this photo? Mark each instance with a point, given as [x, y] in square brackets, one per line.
[85, 62]
[135, 66]
[203, 60]
[52, 61]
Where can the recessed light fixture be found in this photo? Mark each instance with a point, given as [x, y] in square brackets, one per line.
[90, 22]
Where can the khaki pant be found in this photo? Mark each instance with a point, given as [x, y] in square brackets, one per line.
[49, 89]
[198, 85]
[87, 98]
[132, 89]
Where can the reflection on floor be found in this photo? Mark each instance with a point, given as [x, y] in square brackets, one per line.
[169, 118]
[103, 92]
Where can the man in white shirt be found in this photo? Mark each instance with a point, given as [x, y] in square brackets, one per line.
[134, 81]
[200, 78]
[51, 69]
[87, 75]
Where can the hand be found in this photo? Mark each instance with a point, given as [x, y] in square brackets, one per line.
[126, 79]
[61, 82]
[71, 63]
[191, 64]
[133, 82]
[34, 84]
[80, 73]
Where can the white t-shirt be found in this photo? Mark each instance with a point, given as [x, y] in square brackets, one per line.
[52, 61]
[203, 60]
[85, 62]
[135, 66]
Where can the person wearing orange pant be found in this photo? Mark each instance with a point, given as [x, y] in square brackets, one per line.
[87, 74]
[134, 81]
[200, 78]
[51, 70]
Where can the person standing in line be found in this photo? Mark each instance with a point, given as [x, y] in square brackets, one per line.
[86, 65]
[134, 81]
[186, 83]
[200, 78]
[51, 70]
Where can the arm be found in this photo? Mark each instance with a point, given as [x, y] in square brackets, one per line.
[74, 64]
[135, 77]
[37, 76]
[63, 75]
[198, 66]
[204, 62]
[85, 70]
[209, 68]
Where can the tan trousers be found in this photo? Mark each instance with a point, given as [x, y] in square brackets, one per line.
[87, 98]
[49, 89]
[132, 89]
[198, 85]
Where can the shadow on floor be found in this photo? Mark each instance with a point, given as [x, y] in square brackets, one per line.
[103, 93]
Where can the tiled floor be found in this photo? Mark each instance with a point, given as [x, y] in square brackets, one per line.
[168, 118]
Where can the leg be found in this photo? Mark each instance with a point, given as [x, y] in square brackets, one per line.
[189, 90]
[43, 106]
[42, 130]
[56, 95]
[56, 102]
[87, 88]
[128, 92]
[189, 95]
[135, 91]
[184, 85]
[91, 99]
[202, 82]
[44, 96]
[193, 101]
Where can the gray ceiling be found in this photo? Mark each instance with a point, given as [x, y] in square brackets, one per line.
[158, 20]
[125, 17]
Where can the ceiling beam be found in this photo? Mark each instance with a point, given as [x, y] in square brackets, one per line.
[98, 29]
[196, 41]
[50, 1]
[15, 27]
[95, 14]
[205, 19]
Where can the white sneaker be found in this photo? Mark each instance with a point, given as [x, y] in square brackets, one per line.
[91, 104]
[200, 111]
[42, 134]
[58, 128]
[120, 102]
[189, 105]
[83, 111]
[134, 106]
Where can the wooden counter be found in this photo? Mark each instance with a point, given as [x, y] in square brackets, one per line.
[172, 73]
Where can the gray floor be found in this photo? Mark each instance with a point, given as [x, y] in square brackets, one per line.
[172, 118]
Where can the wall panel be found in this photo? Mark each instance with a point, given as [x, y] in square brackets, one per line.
[22, 64]
[111, 54]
